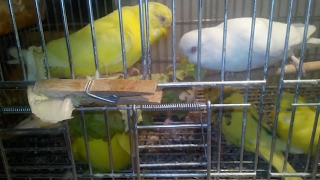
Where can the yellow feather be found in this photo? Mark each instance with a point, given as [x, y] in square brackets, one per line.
[232, 131]
[302, 126]
[99, 152]
[107, 32]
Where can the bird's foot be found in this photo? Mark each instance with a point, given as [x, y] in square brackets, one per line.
[97, 75]
[116, 75]
[229, 75]
[295, 62]
[167, 121]
[107, 75]
[133, 72]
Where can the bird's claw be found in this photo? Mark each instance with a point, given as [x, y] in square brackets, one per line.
[132, 72]
[167, 121]
[295, 62]
[116, 74]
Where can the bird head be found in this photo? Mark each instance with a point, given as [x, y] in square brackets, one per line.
[188, 46]
[160, 20]
[286, 107]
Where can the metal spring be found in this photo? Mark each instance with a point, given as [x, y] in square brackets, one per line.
[172, 107]
[16, 110]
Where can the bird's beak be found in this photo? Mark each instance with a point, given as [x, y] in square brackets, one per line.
[167, 31]
[182, 58]
[272, 115]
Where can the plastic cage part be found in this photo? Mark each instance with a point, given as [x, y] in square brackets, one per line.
[179, 137]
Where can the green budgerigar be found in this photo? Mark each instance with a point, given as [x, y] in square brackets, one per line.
[232, 130]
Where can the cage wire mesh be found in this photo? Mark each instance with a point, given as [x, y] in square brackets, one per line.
[190, 147]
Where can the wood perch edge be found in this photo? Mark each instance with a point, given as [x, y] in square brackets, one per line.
[128, 91]
[257, 74]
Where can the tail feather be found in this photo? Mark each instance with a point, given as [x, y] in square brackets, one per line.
[281, 146]
[313, 41]
[34, 122]
[277, 161]
[300, 28]
[14, 53]
[14, 61]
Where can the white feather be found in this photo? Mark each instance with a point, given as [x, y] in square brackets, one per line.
[237, 43]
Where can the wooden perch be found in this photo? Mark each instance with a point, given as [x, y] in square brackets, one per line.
[257, 74]
[128, 91]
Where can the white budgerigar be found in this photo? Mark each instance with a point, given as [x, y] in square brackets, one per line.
[238, 41]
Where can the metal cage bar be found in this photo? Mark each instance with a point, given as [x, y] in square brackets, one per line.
[210, 156]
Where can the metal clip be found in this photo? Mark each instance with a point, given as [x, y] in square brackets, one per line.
[110, 99]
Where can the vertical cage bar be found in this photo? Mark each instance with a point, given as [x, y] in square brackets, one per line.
[149, 64]
[263, 90]
[173, 31]
[123, 47]
[297, 86]
[43, 42]
[72, 15]
[304, 39]
[203, 136]
[208, 106]
[136, 141]
[132, 147]
[224, 43]
[244, 120]
[314, 129]
[105, 7]
[108, 140]
[141, 18]
[93, 36]
[277, 109]
[5, 160]
[85, 138]
[80, 13]
[48, 21]
[316, 160]
[199, 39]
[55, 15]
[225, 19]
[97, 9]
[17, 39]
[66, 31]
[69, 148]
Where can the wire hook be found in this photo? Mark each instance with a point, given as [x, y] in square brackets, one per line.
[110, 99]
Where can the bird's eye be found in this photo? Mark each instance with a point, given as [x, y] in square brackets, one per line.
[228, 120]
[193, 49]
[163, 19]
[288, 109]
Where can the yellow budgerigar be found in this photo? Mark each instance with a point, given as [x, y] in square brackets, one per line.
[99, 152]
[107, 33]
[232, 129]
[98, 143]
[302, 126]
